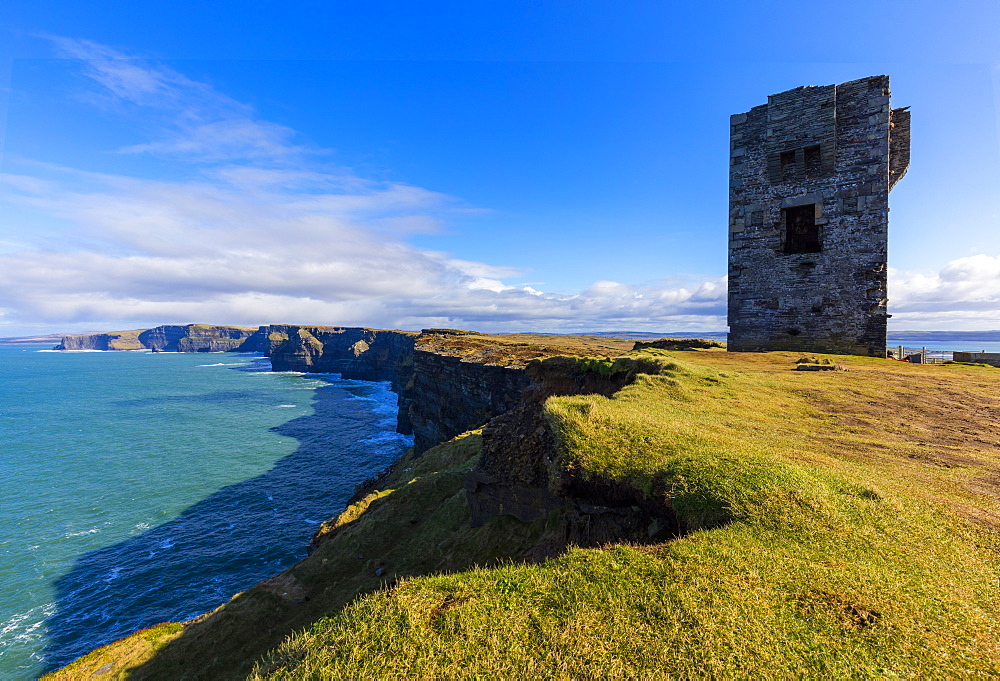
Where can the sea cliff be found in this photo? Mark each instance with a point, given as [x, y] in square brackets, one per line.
[110, 340]
[168, 338]
[448, 381]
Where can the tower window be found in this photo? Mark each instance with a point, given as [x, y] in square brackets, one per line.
[813, 161]
[787, 164]
[801, 230]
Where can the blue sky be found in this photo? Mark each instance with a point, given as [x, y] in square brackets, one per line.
[502, 166]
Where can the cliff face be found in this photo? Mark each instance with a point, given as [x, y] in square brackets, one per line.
[441, 395]
[263, 341]
[352, 352]
[461, 380]
[448, 381]
[170, 338]
[448, 395]
[195, 338]
[358, 353]
[112, 340]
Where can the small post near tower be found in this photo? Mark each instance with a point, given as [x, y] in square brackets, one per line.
[809, 180]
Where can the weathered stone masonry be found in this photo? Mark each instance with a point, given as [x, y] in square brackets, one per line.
[810, 174]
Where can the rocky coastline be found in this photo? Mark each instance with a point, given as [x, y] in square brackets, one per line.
[169, 338]
[448, 381]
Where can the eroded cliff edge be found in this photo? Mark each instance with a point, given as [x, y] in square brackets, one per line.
[448, 381]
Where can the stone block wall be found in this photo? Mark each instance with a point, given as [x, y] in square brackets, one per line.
[991, 358]
[810, 173]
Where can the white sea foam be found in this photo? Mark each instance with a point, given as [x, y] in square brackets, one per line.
[286, 406]
[113, 574]
[13, 624]
[61, 351]
[222, 364]
[82, 532]
[25, 626]
[383, 436]
[386, 441]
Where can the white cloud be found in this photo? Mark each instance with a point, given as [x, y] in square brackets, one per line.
[965, 294]
[195, 121]
[265, 234]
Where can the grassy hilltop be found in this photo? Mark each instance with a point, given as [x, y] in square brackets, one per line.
[837, 523]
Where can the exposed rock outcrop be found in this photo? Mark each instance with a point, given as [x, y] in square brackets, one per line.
[448, 395]
[520, 471]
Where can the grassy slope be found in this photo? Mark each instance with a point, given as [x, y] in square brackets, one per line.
[844, 523]
[847, 527]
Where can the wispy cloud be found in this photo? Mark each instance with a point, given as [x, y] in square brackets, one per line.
[965, 293]
[195, 120]
[265, 232]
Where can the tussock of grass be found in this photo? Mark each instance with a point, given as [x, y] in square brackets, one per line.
[824, 542]
[679, 344]
[115, 659]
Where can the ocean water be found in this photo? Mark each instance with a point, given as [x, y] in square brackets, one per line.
[139, 488]
[945, 348]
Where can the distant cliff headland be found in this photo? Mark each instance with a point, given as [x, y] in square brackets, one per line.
[169, 338]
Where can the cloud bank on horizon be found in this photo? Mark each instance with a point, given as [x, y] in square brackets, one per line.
[258, 229]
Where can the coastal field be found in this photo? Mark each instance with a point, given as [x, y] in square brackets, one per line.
[833, 523]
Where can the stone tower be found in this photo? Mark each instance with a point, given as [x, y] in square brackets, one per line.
[809, 180]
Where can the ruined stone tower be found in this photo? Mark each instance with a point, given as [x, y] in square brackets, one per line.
[809, 180]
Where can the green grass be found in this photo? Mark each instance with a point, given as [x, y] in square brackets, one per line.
[837, 524]
[800, 561]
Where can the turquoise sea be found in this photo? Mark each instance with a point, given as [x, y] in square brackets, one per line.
[140, 488]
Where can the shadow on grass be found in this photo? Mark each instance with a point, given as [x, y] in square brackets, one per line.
[227, 542]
